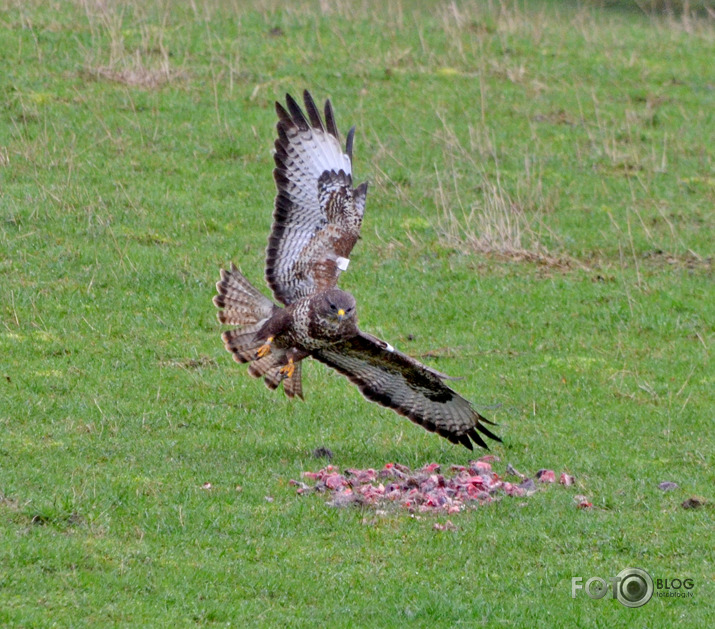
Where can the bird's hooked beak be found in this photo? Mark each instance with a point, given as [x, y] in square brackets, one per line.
[341, 314]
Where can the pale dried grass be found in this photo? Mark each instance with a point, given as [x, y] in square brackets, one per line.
[110, 57]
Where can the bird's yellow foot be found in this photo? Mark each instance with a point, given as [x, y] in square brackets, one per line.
[288, 370]
[265, 348]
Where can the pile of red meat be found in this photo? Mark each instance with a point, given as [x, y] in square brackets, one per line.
[427, 489]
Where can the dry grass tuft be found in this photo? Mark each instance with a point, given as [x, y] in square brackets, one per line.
[497, 225]
[137, 75]
[145, 63]
[500, 223]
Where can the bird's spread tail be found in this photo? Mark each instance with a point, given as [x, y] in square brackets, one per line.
[241, 304]
[244, 342]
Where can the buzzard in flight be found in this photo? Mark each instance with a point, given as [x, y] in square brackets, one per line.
[316, 223]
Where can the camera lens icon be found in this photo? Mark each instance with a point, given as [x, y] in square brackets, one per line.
[635, 587]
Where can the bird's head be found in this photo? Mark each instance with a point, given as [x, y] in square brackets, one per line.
[338, 309]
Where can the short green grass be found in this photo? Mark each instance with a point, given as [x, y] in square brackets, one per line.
[135, 160]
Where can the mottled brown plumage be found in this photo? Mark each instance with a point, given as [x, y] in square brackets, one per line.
[316, 223]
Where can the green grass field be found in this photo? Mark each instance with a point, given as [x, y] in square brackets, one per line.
[540, 222]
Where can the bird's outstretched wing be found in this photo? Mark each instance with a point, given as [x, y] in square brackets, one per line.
[410, 388]
[318, 213]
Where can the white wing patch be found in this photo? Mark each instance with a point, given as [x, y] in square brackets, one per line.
[314, 196]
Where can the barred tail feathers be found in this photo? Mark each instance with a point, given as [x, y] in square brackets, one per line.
[241, 304]
[243, 342]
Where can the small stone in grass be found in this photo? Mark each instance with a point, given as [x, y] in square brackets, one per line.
[269, 498]
[668, 486]
[566, 479]
[447, 526]
[207, 486]
[692, 503]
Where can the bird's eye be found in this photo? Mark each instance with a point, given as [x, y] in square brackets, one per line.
[332, 307]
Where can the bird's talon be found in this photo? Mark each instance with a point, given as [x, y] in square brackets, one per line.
[288, 370]
[265, 348]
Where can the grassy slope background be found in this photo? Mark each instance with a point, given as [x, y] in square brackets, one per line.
[135, 159]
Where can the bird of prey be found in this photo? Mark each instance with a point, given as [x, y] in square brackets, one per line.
[316, 223]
